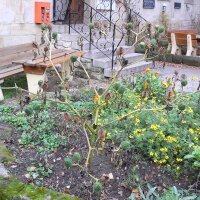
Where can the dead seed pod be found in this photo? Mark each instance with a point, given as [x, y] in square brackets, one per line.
[97, 25]
[120, 51]
[176, 72]
[101, 135]
[183, 77]
[67, 116]
[108, 96]
[76, 120]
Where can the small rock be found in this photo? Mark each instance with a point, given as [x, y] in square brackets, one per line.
[3, 171]
[62, 173]
[13, 166]
[120, 193]
[28, 176]
[59, 158]
[68, 186]
[110, 175]
[35, 176]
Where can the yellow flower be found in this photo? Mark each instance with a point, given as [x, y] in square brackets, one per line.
[155, 127]
[191, 131]
[170, 139]
[151, 153]
[190, 110]
[155, 160]
[157, 72]
[96, 98]
[164, 84]
[146, 85]
[151, 141]
[194, 78]
[166, 157]
[137, 121]
[153, 77]
[164, 149]
[183, 122]
[179, 159]
[102, 111]
[147, 70]
[163, 120]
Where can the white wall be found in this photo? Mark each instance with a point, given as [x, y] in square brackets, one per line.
[17, 18]
[17, 22]
[178, 18]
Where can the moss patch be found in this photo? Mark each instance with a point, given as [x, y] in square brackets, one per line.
[12, 188]
[5, 156]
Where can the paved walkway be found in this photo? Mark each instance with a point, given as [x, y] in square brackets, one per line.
[192, 73]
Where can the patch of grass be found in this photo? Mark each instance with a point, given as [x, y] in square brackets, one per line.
[20, 80]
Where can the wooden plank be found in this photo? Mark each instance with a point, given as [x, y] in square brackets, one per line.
[6, 60]
[39, 58]
[55, 54]
[61, 56]
[191, 31]
[15, 49]
[33, 70]
[11, 73]
[11, 68]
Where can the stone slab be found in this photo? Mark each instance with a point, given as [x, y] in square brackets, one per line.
[5, 131]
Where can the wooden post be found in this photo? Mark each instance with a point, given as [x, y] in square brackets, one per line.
[175, 48]
[67, 70]
[1, 92]
[34, 75]
[190, 49]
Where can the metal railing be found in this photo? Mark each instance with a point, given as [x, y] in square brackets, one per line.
[103, 28]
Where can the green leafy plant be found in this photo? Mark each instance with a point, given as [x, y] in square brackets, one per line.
[194, 157]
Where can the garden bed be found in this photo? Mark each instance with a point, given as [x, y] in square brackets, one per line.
[135, 153]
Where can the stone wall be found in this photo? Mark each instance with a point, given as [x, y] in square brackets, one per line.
[17, 18]
[178, 18]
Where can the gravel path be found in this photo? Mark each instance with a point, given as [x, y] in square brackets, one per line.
[192, 73]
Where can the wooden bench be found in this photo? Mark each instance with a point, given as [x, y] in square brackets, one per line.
[179, 38]
[18, 59]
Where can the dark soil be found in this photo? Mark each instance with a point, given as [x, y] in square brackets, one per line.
[76, 181]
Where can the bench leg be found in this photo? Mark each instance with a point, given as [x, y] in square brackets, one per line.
[190, 49]
[169, 47]
[32, 80]
[1, 92]
[67, 70]
[175, 48]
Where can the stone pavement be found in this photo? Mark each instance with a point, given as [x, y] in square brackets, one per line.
[192, 73]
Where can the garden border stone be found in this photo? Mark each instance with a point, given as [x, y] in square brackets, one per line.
[181, 59]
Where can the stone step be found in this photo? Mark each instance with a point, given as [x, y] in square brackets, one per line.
[107, 62]
[94, 54]
[134, 68]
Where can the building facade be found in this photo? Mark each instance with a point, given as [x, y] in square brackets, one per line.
[17, 17]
